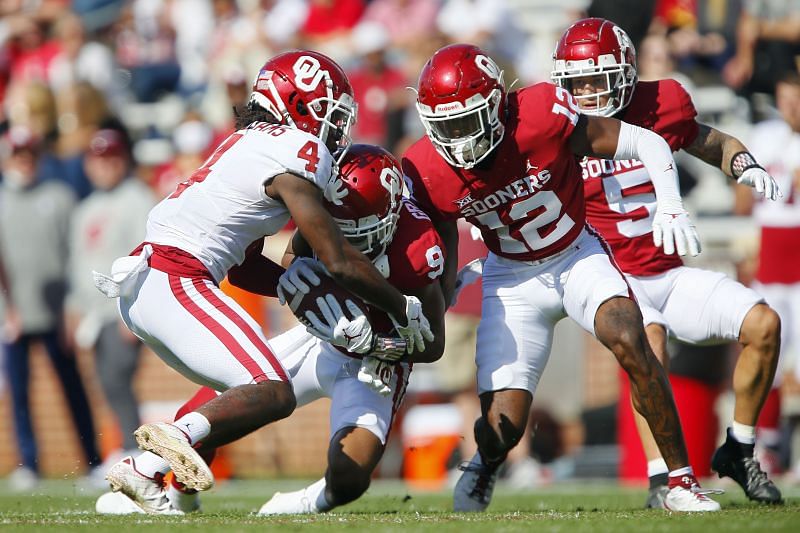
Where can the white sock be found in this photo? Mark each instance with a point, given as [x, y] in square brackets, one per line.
[685, 471]
[195, 425]
[316, 493]
[150, 464]
[742, 433]
[183, 501]
[656, 466]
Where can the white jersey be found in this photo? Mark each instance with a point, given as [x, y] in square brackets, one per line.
[223, 207]
[777, 148]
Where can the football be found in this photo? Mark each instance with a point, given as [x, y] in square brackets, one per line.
[300, 303]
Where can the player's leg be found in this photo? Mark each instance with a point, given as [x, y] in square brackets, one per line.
[657, 469]
[360, 421]
[597, 296]
[209, 338]
[519, 312]
[139, 480]
[705, 306]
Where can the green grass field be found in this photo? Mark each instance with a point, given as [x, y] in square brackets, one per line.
[589, 506]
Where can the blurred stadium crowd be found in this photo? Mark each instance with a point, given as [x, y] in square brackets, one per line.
[108, 104]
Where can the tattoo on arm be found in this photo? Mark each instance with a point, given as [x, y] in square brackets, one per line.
[715, 148]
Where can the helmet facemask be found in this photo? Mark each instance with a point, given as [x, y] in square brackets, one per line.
[370, 235]
[464, 134]
[620, 80]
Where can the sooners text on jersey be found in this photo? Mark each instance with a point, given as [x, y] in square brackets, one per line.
[223, 207]
[526, 197]
[620, 197]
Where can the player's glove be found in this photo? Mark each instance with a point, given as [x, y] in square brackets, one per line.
[673, 228]
[417, 326]
[468, 275]
[376, 374]
[293, 284]
[353, 333]
[761, 181]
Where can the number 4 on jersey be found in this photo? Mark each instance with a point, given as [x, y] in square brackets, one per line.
[308, 153]
[199, 175]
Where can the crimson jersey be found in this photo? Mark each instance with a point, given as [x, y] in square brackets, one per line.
[526, 197]
[620, 198]
[415, 257]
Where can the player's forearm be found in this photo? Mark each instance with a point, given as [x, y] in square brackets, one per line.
[257, 274]
[448, 231]
[356, 273]
[715, 148]
[655, 154]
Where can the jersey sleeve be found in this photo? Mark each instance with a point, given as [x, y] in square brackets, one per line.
[676, 121]
[416, 255]
[417, 190]
[297, 152]
[548, 111]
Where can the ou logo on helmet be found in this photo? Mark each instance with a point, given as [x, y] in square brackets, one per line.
[391, 180]
[488, 66]
[307, 73]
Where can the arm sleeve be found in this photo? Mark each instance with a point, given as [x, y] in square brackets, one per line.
[654, 152]
[256, 274]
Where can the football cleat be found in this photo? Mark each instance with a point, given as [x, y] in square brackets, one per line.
[296, 502]
[730, 461]
[689, 497]
[171, 444]
[146, 493]
[473, 491]
[656, 496]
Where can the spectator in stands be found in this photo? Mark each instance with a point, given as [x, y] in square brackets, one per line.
[145, 47]
[107, 224]
[192, 143]
[79, 59]
[776, 144]
[379, 88]
[767, 42]
[34, 221]
[409, 23]
[328, 25]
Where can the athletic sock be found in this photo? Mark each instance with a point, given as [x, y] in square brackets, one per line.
[149, 464]
[675, 476]
[745, 437]
[181, 498]
[194, 425]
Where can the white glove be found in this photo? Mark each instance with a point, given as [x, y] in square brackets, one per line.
[673, 227]
[294, 282]
[376, 374]
[353, 334]
[468, 275]
[417, 326]
[761, 181]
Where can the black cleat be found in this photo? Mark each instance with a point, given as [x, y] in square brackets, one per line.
[656, 496]
[729, 461]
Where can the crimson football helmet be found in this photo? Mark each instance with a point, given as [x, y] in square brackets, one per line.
[367, 198]
[597, 47]
[460, 99]
[307, 90]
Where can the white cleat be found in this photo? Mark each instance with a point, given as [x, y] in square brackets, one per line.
[172, 445]
[296, 502]
[145, 493]
[689, 497]
[473, 491]
[116, 503]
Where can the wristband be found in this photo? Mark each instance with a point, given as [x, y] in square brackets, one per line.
[742, 161]
[388, 348]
